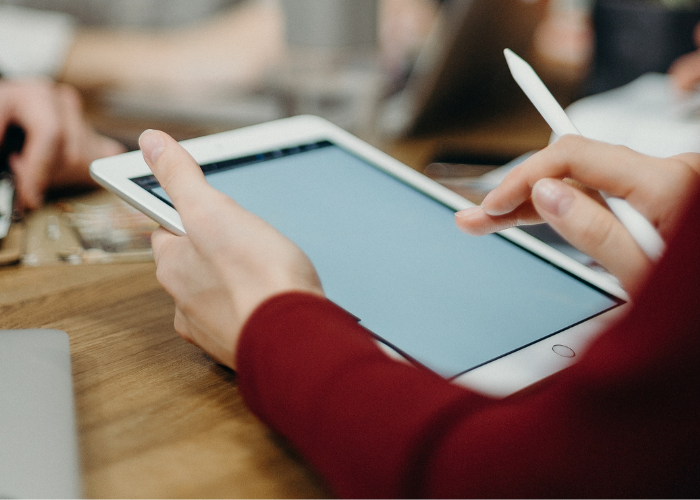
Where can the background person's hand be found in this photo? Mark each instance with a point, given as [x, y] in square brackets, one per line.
[535, 192]
[59, 144]
[229, 262]
[685, 71]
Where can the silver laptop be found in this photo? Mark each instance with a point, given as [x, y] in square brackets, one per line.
[38, 439]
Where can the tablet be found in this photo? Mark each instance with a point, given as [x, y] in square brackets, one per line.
[495, 313]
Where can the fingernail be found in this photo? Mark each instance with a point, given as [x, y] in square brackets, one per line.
[468, 213]
[152, 144]
[489, 210]
[552, 196]
[487, 198]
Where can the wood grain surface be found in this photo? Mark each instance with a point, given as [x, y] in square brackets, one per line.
[156, 417]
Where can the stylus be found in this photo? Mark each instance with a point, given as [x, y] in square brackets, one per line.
[638, 226]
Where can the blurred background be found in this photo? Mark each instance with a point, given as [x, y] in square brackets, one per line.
[227, 63]
[196, 66]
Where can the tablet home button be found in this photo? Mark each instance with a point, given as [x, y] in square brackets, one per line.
[564, 351]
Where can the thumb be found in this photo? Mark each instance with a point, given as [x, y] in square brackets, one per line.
[177, 172]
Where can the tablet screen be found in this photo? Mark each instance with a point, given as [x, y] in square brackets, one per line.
[393, 257]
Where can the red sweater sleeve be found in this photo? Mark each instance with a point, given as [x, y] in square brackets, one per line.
[621, 422]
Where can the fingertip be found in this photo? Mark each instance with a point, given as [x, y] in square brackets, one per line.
[495, 212]
[468, 213]
[490, 206]
[474, 221]
[152, 144]
[177, 172]
[472, 231]
[466, 219]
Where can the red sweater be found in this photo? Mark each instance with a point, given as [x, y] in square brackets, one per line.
[623, 422]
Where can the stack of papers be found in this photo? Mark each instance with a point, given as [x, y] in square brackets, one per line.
[648, 115]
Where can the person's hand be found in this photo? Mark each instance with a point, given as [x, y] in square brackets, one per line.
[536, 191]
[229, 262]
[685, 71]
[59, 144]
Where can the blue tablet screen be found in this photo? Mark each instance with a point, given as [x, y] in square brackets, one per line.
[393, 257]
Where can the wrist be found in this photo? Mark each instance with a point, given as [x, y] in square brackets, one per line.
[272, 307]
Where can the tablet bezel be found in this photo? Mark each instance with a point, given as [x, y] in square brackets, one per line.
[501, 377]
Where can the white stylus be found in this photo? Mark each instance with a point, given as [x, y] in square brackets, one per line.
[638, 226]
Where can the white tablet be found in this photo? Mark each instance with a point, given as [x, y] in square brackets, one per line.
[495, 313]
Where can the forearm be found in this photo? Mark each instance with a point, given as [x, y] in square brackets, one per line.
[309, 370]
[232, 50]
[104, 59]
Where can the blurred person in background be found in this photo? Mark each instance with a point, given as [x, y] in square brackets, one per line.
[167, 46]
[163, 45]
[173, 45]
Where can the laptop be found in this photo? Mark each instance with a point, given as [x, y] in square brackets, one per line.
[461, 73]
[38, 438]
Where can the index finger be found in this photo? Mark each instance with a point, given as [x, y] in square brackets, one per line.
[616, 170]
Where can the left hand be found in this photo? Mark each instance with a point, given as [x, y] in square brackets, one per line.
[229, 262]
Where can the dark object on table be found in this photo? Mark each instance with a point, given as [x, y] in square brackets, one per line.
[11, 143]
[634, 37]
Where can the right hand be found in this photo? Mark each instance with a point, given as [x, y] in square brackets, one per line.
[229, 262]
[59, 144]
[535, 191]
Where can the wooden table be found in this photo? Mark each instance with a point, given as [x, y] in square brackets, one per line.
[156, 417]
